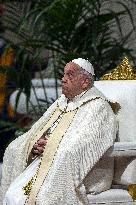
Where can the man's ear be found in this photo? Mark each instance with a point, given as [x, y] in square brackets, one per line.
[86, 83]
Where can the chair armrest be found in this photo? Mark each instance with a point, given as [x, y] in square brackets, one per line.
[122, 149]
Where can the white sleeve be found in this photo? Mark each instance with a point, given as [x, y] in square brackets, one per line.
[14, 160]
[98, 136]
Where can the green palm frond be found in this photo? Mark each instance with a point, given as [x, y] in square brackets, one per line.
[68, 29]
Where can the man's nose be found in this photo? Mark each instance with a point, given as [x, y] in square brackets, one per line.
[63, 79]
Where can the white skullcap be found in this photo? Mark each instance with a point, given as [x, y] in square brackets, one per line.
[85, 64]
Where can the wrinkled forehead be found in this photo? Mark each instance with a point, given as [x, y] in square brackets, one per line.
[72, 66]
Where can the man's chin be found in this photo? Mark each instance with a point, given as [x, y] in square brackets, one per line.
[65, 93]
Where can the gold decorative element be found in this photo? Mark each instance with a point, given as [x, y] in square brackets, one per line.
[132, 191]
[27, 188]
[124, 71]
[115, 107]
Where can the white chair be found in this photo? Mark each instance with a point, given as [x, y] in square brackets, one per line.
[123, 151]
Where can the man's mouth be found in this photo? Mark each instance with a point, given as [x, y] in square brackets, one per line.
[64, 86]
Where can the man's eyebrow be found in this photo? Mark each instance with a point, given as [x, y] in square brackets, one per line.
[69, 71]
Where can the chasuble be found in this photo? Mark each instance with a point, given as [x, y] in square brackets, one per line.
[82, 130]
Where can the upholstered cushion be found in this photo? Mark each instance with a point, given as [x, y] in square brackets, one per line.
[123, 92]
[112, 195]
[100, 177]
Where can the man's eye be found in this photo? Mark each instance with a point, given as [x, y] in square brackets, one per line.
[70, 75]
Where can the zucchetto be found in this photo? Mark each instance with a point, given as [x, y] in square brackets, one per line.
[85, 64]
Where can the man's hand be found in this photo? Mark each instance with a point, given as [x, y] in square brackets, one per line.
[39, 146]
[37, 149]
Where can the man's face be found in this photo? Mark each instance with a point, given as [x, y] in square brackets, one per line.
[72, 81]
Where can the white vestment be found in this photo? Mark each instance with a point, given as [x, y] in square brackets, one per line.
[91, 133]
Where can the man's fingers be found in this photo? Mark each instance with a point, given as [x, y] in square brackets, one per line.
[38, 151]
[42, 141]
[39, 146]
[35, 146]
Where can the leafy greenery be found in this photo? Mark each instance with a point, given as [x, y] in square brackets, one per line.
[80, 28]
[68, 29]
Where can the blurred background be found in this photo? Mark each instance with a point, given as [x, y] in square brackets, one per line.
[37, 39]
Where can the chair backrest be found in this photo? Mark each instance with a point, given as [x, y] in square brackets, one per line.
[123, 92]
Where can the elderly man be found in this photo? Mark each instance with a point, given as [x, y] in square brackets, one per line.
[49, 164]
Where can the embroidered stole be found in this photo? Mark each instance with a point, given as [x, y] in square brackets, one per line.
[43, 128]
[50, 149]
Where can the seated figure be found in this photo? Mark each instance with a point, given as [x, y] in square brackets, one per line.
[51, 162]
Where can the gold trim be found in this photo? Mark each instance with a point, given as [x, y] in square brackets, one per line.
[132, 191]
[124, 71]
